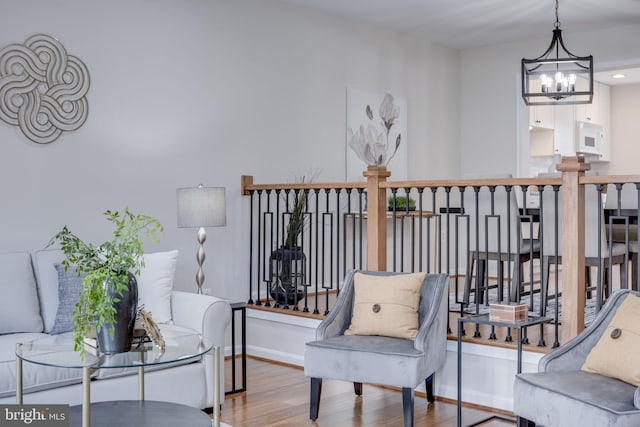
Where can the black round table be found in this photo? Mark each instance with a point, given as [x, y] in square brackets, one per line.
[140, 413]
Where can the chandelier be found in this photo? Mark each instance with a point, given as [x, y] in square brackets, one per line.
[557, 77]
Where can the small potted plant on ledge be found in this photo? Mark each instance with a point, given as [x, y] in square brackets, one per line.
[109, 294]
[401, 203]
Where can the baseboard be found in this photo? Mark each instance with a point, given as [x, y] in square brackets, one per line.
[275, 355]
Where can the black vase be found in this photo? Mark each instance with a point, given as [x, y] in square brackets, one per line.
[125, 319]
[287, 273]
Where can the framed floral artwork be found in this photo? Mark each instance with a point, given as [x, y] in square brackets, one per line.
[376, 134]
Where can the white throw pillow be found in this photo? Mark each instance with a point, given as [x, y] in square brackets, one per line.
[155, 283]
[19, 307]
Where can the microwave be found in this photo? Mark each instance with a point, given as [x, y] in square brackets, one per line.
[589, 138]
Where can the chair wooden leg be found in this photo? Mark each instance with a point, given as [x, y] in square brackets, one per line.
[429, 386]
[467, 281]
[634, 271]
[501, 281]
[357, 388]
[624, 276]
[314, 404]
[480, 283]
[516, 282]
[587, 280]
[544, 285]
[407, 406]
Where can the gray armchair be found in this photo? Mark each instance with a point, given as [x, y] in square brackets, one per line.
[376, 359]
[562, 395]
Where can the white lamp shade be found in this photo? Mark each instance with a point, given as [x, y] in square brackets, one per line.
[201, 207]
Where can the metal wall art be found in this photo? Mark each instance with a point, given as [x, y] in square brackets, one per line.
[43, 89]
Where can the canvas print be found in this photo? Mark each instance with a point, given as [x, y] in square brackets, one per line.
[376, 134]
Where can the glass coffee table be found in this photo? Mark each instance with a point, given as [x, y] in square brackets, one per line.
[57, 351]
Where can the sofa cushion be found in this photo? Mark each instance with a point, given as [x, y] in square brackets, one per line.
[359, 358]
[155, 283]
[19, 306]
[617, 353]
[575, 398]
[386, 305]
[69, 287]
[44, 262]
[35, 377]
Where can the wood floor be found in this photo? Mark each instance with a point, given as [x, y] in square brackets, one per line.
[278, 395]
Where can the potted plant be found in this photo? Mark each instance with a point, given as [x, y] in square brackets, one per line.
[401, 203]
[288, 262]
[109, 293]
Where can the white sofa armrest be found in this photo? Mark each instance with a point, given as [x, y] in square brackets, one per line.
[209, 316]
[206, 314]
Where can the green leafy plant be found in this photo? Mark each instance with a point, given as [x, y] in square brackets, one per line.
[296, 224]
[297, 219]
[400, 202]
[106, 266]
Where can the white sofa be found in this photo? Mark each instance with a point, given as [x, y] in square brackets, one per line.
[28, 309]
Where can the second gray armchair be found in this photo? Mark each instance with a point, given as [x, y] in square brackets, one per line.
[375, 359]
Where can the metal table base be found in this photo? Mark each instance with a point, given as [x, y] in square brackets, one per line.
[483, 319]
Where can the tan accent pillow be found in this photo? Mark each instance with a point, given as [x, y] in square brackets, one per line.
[386, 305]
[619, 357]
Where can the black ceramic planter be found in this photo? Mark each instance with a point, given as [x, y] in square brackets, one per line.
[125, 318]
[287, 273]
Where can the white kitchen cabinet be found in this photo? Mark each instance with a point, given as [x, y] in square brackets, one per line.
[589, 112]
[542, 116]
[565, 130]
[598, 110]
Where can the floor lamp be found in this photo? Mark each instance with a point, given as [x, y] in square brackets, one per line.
[201, 207]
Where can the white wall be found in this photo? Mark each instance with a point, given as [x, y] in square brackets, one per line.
[203, 91]
[493, 115]
[625, 110]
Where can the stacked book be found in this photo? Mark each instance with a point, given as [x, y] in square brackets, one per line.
[91, 342]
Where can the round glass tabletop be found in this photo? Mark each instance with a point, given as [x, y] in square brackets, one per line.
[57, 350]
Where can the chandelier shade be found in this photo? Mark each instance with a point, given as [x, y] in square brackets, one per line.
[557, 77]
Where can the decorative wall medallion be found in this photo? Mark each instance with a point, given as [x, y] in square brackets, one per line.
[43, 89]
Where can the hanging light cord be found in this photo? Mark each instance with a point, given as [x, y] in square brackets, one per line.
[557, 24]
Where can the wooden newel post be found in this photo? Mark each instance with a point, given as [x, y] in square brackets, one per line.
[377, 218]
[573, 274]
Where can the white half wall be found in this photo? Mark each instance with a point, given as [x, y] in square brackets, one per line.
[487, 372]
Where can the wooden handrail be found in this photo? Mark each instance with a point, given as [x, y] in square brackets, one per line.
[489, 182]
[248, 185]
[609, 179]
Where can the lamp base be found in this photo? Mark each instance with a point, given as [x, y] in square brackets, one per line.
[200, 257]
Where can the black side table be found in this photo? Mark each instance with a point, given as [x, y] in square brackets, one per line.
[483, 319]
[241, 307]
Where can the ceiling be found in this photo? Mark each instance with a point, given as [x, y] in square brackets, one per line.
[471, 23]
[631, 75]
[465, 24]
